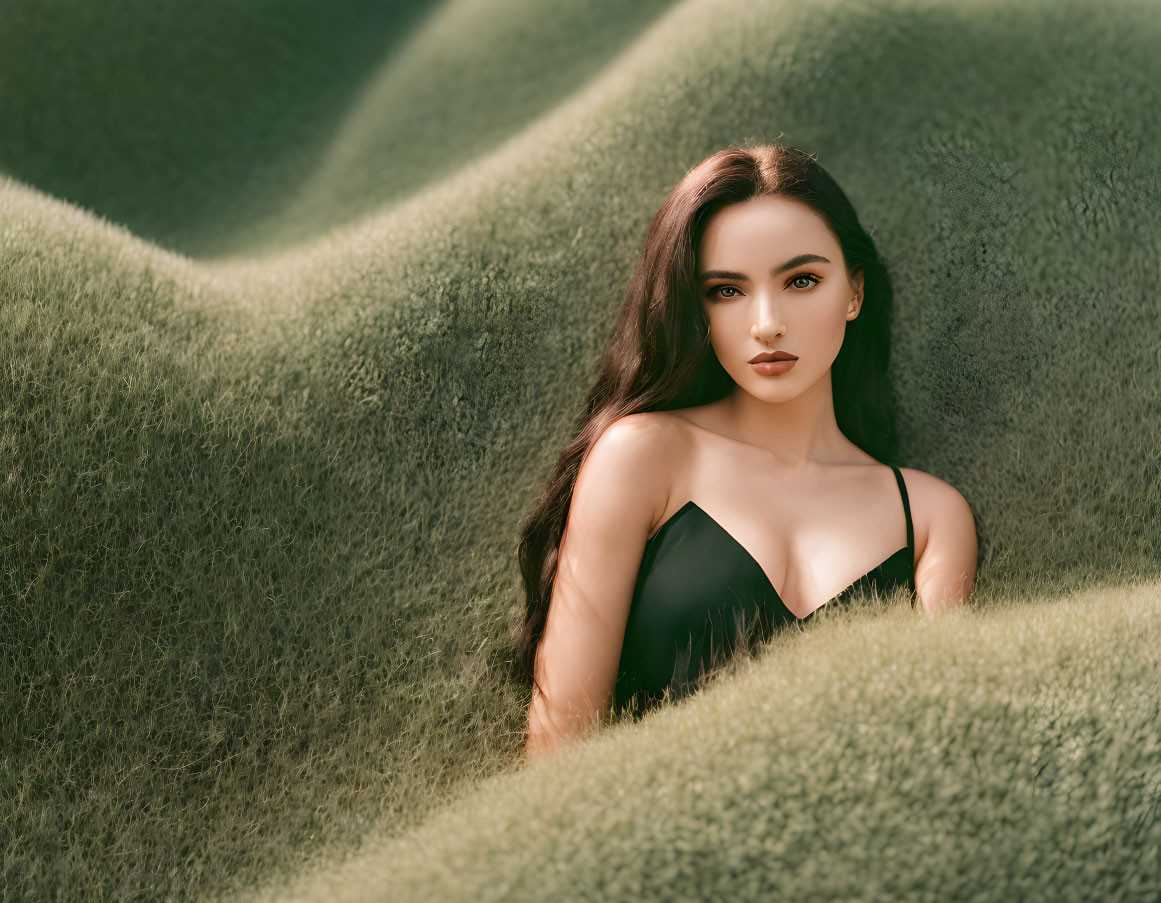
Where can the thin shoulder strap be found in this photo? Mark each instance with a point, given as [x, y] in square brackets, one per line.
[906, 506]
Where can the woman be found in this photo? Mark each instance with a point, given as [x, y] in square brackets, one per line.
[728, 468]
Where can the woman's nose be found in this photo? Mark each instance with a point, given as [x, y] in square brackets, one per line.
[768, 319]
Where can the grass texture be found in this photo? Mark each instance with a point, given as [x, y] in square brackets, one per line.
[883, 757]
[297, 305]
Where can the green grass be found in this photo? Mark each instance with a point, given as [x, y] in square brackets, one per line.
[887, 755]
[276, 390]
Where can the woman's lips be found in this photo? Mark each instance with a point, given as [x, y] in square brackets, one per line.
[773, 368]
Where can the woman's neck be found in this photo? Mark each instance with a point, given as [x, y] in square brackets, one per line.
[799, 432]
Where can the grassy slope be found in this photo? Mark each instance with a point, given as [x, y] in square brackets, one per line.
[226, 126]
[257, 517]
[884, 757]
[184, 122]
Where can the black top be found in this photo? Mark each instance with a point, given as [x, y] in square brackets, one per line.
[695, 579]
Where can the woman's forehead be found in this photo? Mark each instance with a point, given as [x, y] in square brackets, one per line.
[763, 230]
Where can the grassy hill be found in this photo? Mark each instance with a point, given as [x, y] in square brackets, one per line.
[882, 757]
[297, 304]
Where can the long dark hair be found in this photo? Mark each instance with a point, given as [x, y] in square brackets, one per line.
[660, 358]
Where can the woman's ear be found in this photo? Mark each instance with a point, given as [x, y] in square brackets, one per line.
[857, 299]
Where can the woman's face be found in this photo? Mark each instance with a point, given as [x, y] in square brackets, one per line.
[761, 293]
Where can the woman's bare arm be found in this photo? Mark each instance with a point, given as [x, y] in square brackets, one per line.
[945, 574]
[621, 491]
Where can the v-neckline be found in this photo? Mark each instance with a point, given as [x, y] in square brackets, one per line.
[758, 567]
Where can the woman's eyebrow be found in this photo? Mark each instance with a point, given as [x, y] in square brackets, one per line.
[789, 265]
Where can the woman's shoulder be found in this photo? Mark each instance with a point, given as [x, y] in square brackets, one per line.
[650, 433]
[928, 485]
[632, 461]
[675, 424]
[655, 441]
[931, 500]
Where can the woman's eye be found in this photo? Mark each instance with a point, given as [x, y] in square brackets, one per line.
[810, 278]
